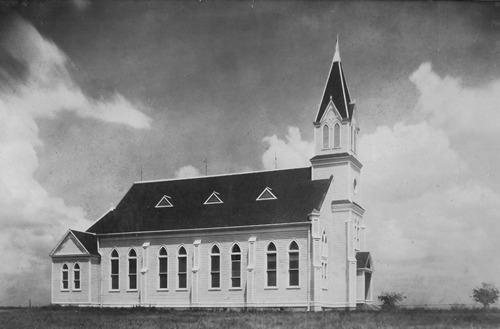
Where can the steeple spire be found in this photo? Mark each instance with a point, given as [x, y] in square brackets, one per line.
[336, 90]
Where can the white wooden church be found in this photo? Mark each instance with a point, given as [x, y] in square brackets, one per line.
[292, 238]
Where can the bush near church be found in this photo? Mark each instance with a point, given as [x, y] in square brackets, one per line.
[390, 300]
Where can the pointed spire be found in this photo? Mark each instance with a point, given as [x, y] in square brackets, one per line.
[336, 90]
[336, 57]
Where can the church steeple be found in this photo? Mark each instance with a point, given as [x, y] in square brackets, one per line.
[335, 125]
[336, 92]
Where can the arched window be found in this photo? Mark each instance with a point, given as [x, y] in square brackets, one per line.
[236, 266]
[293, 264]
[65, 277]
[132, 269]
[336, 135]
[271, 265]
[114, 273]
[324, 258]
[163, 268]
[326, 137]
[76, 277]
[215, 267]
[182, 268]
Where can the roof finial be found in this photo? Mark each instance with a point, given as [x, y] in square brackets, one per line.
[336, 57]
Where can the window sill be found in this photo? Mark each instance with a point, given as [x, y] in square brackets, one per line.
[132, 290]
[271, 288]
[214, 289]
[114, 290]
[181, 289]
[293, 288]
[76, 290]
[235, 289]
[64, 290]
[162, 289]
[324, 289]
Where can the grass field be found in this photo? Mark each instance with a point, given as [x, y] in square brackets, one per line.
[157, 318]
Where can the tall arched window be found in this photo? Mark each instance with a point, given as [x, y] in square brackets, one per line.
[163, 268]
[132, 269]
[182, 268]
[65, 277]
[271, 265]
[324, 258]
[76, 277]
[115, 268]
[215, 267]
[236, 266]
[336, 135]
[326, 137]
[293, 264]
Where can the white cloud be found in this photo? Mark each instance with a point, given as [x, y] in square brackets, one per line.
[447, 103]
[433, 224]
[187, 171]
[32, 220]
[292, 152]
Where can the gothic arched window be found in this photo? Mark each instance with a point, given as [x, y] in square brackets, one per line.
[182, 268]
[76, 277]
[326, 137]
[65, 277]
[336, 135]
[236, 266]
[293, 264]
[271, 265]
[114, 270]
[163, 268]
[215, 267]
[132, 269]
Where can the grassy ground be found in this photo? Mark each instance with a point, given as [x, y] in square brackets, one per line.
[49, 318]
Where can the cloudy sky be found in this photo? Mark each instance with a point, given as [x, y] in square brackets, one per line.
[95, 94]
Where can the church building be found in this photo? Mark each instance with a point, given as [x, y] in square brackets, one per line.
[291, 238]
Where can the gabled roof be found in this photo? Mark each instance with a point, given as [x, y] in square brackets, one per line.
[89, 241]
[336, 90]
[76, 243]
[297, 196]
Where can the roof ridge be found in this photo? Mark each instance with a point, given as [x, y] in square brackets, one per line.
[220, 175]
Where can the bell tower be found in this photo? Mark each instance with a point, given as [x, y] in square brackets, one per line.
[336, 135]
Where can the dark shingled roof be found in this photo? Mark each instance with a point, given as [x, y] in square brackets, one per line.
[363, 259]
[336, 90]
[297, 196]
[89, 241]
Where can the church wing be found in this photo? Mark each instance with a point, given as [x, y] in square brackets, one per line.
[76, 243]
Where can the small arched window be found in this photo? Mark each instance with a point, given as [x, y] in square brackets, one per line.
[65, 277]
[182, 268]
[76, 277]
[293, 264]
[114, 270]
[132, 269]
[336, 135]
[272, 256]
[163, 268]
[215, 267]
[326, 137]
[236, 266]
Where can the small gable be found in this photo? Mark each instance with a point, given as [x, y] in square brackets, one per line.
[165, 202]
[266, 195]
[69, 246]
[213, 198]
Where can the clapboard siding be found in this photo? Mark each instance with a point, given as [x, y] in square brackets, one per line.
[199, 292]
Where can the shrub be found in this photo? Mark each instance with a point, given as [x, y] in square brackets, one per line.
[390, 300]
[486, 294]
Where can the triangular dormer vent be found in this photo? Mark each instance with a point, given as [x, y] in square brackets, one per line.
[165, 202]
[214, 198]
[266, 195]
